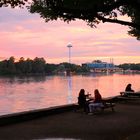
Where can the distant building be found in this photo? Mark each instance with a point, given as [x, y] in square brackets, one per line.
[99, 66]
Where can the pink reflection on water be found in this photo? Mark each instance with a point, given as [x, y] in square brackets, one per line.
[28, 93]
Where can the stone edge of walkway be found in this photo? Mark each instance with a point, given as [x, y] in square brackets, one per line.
[34, 114]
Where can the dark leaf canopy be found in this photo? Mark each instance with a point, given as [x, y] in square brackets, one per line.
[12, 3]
[91, 11]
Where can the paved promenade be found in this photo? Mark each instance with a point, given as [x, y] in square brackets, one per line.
[123, 124]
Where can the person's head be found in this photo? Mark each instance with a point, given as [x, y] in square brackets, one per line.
[129, 85]
[96, 92]
[82, 92]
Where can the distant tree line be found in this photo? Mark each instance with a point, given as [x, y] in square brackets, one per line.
[39, 66]
[36, 66]
[130, 66]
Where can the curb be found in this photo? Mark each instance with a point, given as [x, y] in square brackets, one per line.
[34, 114]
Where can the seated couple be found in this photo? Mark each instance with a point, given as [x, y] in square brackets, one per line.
[90, 105]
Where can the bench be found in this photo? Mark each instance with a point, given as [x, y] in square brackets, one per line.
[130, 94]
[109, 103]
[125, 98]
[135, 94]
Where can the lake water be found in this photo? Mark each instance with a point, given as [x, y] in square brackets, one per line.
[28, 93]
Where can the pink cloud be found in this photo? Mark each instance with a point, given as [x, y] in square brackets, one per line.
[28, 35]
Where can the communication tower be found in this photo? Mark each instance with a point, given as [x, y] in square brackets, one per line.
[69, 47]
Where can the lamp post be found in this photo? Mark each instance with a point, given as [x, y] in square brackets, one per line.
[69, 47]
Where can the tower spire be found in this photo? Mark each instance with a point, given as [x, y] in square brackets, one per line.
[69, 47]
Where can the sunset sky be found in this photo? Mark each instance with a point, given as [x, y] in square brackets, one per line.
[27, 35]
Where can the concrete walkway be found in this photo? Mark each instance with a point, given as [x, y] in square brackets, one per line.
[123, 124]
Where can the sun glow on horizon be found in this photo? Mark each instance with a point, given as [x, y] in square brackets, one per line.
[27, 35]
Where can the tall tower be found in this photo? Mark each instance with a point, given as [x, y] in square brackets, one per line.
[69, 47]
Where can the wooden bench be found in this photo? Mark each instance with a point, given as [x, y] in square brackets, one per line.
[123, 98]
[109, 103]
[130, 94]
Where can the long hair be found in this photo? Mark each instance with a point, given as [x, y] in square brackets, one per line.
[82, 97]
[82, 92]
[97, 95]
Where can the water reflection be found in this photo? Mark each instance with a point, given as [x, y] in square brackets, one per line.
[97, 74]
[23, 79]
[69, 89]
[26, 93]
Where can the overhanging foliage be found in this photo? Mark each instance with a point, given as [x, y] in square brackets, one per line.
[91, 11]
[12, 3]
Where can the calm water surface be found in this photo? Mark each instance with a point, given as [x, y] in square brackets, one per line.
[27, 93]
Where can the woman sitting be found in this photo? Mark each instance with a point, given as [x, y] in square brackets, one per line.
[128, 88]
[97, 102]
[82, 100]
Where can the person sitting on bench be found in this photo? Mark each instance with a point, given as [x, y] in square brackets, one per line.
[82, 100]
[97, 102]
[128, 88]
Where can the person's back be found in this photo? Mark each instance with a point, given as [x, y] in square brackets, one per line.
[82, 100]
[128, 88]
[98, 97]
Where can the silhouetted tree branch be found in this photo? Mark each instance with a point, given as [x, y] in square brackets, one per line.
[12, 3]
[91, 11]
